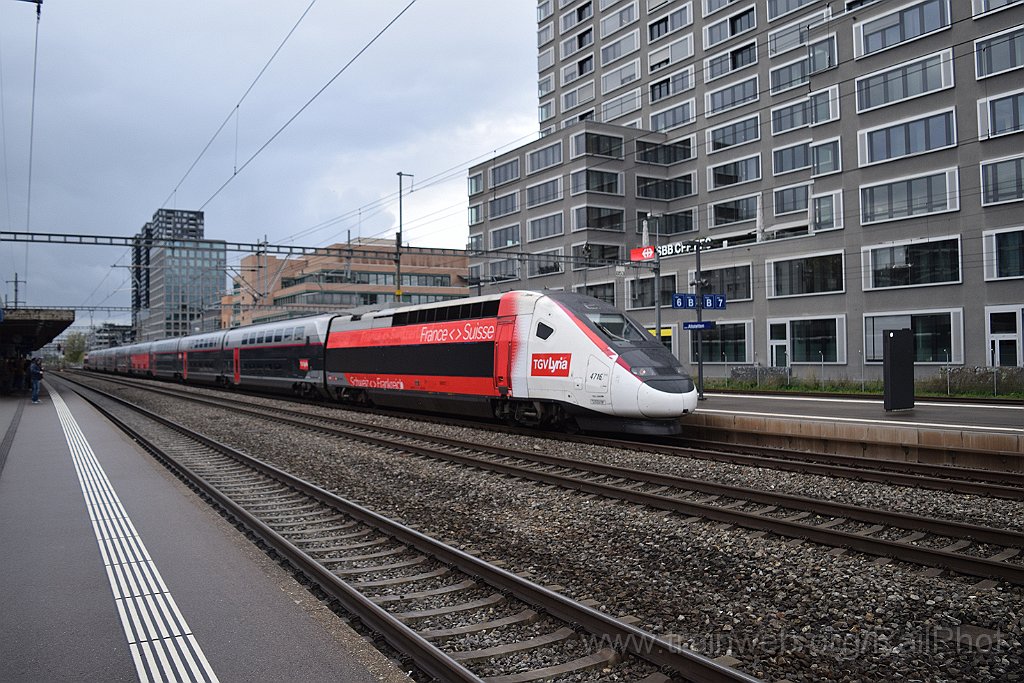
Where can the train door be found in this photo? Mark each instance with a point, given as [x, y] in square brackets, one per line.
[236, 366]
[184, 365]
[503, 339]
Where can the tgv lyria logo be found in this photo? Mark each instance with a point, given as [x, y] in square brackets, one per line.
[550, 364]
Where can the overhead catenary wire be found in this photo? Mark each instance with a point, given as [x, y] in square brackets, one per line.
[234, 110]
[307, 104]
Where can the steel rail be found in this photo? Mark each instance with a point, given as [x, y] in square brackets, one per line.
[692, 666]
[931, 557]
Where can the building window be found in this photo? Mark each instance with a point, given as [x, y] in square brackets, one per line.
[791, 200]
[807, 340]
[543, 193]
[826, 158]
[937, 335]
[545, 157]
[505, 173]
[627, 44]
[733, 211]
[999, 53]
[598, 218]
[912, 264]
[907, 81]
[734, 134]
[621, 76]
[1003, 327]
[476, 214]
[618, 107]
[545, 9]
[476, 243]
[545, 226]
[821, 274]
[1001, 115]
[665, 154]
[618, 20]
[1002, 181]
[732, 281]
[726, 343]
[504, 205]
[983, 6]
[670, 23]
[597, 144]
[665, 188]
[735, 172]
[678, 82]
[577, 69]
[668, 224]
[675, 52]
[591, 255]
[577, 97]
[571, 20]
[730, 27]
[505, 237]
[796, 34]
[544, 263]
[910, 197]
[508, 269]
[777, 8]
[731, 96]
[816, 108]
[589, 180]
[673, 117]
[732, 60]
[1004, 253]
[642, 292]
[605, 292]
[907, 138]
[792, 158]
[574, 44]
[900, 26]
[827, 212]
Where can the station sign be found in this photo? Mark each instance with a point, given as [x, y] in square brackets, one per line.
[642, 254]
[702, 325]
[684, 300]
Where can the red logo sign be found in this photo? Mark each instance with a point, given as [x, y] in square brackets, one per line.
[641, 254]
[550, 364]
[304, 364]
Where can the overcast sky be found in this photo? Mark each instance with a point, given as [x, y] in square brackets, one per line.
[129, 93]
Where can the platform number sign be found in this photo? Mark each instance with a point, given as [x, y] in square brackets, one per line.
[715, 302]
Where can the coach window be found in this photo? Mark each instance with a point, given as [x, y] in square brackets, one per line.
[544, 331]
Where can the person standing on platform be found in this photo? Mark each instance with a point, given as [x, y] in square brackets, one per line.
[35, 373]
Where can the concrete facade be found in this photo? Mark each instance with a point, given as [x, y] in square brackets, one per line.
[847, 167]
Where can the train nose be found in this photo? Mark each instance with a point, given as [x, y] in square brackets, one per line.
[653, 402]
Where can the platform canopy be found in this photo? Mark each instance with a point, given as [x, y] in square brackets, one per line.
[24, 330]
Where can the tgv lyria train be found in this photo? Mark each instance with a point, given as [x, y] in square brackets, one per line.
[532, 358]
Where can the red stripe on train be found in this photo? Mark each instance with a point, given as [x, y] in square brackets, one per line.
[440, 384]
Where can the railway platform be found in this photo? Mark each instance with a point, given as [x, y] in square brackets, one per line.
[113, 570]
[968, 434]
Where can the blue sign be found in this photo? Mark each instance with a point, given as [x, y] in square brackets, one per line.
[714, 301]
[684, 301]
[702, 325]
[692, 301]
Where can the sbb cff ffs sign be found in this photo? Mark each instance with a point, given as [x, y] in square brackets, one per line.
[642, 254]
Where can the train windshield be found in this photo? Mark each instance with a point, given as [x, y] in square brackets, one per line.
[618, 327]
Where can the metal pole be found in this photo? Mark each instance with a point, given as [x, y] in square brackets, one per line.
[700, 332]
[398, 241]
[657, 283]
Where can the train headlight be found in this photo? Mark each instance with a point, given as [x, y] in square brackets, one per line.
[644, 371]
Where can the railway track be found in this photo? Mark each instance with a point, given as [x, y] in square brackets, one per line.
[964, 548]
[457, 617]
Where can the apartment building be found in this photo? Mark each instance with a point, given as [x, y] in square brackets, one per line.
[844, 167]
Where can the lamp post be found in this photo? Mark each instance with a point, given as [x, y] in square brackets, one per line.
[398, 240]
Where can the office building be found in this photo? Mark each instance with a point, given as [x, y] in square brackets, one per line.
[178, 277]
[846, 168]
